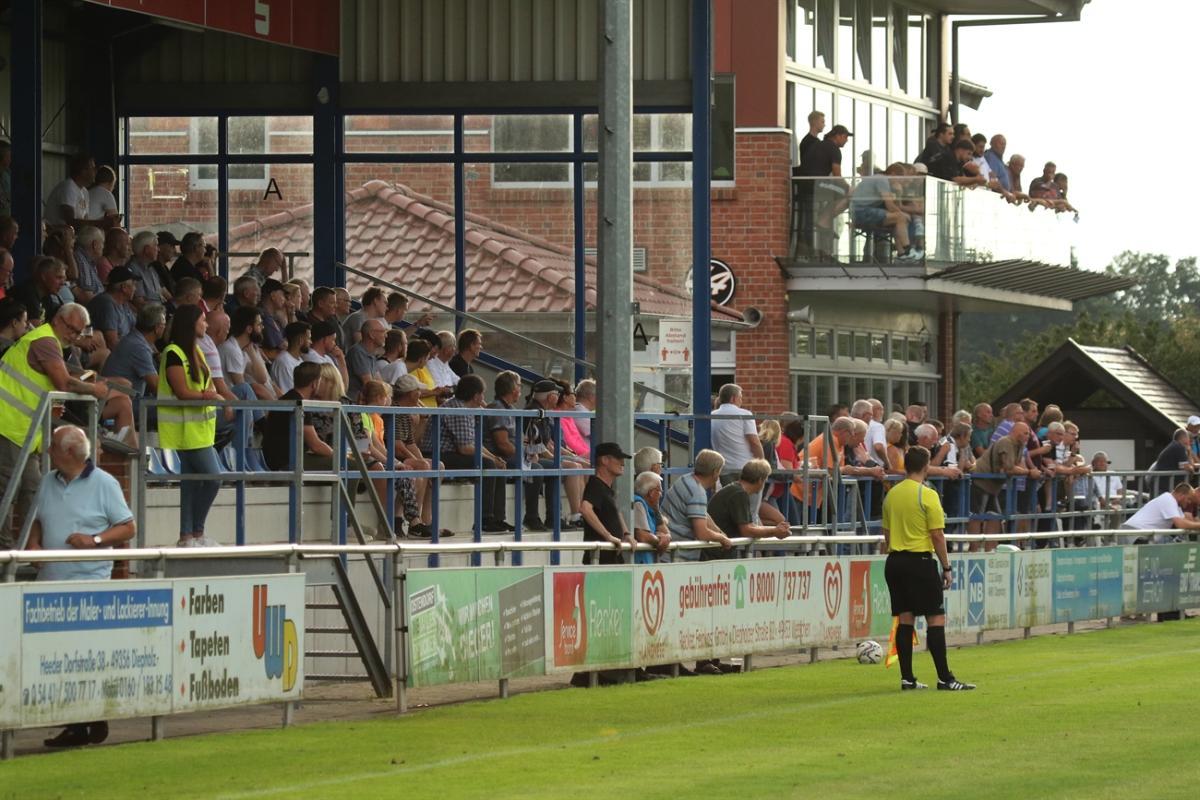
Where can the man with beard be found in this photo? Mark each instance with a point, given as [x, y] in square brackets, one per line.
[299, 337]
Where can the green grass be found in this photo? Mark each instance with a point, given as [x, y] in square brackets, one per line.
[1096, 715]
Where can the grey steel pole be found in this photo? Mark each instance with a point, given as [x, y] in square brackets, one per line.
[614, 235]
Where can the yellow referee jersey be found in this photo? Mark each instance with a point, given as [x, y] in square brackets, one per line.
[910, 511]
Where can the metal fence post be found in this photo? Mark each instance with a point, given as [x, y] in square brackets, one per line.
[400, 610]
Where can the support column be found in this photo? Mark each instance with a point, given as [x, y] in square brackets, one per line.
[701, 219]
[329, 199]
[947, 363]
[26, 131]
[614, 235]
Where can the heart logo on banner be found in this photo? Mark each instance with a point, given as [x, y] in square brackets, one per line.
[654, 591]
[833, 588]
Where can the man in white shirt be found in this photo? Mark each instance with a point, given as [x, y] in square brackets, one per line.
[876, 442]
[69, 202]
[391, 366]
[101, 202]
[1168, 510]
[735, 439]
[439, 362]
[299, 339]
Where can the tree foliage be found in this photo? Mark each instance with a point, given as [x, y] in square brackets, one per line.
[1158, 317]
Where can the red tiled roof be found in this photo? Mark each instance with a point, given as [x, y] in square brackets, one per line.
[409, 239]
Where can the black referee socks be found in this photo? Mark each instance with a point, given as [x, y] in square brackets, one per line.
[935, 640]
[904, 645]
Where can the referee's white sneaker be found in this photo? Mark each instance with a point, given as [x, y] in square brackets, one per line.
[954, 686]
[908, 686]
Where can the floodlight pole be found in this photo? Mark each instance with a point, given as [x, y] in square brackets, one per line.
[614, 236]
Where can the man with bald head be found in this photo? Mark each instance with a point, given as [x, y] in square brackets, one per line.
[362, 360]
[1005, 457]
[994, 156]
[270, 263]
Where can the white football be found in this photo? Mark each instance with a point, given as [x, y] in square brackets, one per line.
[869, 652]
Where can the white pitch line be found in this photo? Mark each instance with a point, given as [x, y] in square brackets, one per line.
[652, 731]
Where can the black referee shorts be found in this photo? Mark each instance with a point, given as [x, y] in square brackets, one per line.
[915, 583]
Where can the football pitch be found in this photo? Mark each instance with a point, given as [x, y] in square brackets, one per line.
[1110, 713]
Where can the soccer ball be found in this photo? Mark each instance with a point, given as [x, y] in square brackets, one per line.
[869, 652]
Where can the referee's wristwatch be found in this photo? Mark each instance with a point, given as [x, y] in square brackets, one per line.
[947, 568]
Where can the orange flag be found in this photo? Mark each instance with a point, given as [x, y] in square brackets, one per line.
[892, 654]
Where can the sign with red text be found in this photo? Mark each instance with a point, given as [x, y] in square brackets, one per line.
[675, 342]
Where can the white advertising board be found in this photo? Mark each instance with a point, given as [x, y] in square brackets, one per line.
[10, 656]
[1032, 592]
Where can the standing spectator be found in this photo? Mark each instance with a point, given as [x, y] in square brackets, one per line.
[686, 505]
[191, 258]
[80, 507]
[374, 306]
[274, 316]
[733, 509]
[937, 146]
[184, 375]
[299, 339]
[270, 263]
[1043, 187]
[824, 158]
[500, 437]
[362, 362]
[31, 367]
[981, 428]
[470, 345]
[927, 437]
[585, 400]
[915, 415]
[68, 202]
[391, 363]
[994, 156]
[735, 439]
[1005, 457]
[649, 523]
[134, 358]
[1172, 458]
[1016, 165]
[876, 441]
[602, 520]
[112, 311]
[324, 309]
[89, 249]
[816, 124]
[101, 203]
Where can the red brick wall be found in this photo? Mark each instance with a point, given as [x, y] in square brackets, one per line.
[947, 361]
[750, 228]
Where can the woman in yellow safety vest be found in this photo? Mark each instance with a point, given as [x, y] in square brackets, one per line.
[183, 374]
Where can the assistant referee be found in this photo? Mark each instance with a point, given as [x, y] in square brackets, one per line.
[913, 531]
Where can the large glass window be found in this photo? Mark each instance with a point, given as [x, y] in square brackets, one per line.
[255, 220]
[418, 133]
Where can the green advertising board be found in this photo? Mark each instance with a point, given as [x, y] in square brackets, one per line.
[589, 622]
[1168, 577]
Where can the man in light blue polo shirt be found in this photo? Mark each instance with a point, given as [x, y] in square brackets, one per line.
[79, 507]
[686, 505]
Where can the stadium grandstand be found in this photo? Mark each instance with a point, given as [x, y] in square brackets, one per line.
[362, 331]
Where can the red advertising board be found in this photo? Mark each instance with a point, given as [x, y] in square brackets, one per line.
[306, 24]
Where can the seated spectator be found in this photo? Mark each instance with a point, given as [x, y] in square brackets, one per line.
[299, 338]
[101, 203]
[458, 431]
[874, 205]
[686, 505]
[324, 308]
[270, 263]
[241, 359]
[602, 519]
[649, 523]
[1169, 510]
[540, 449]
[89, 249]
[391, 363]
[6, 271]
[40, 292]
[499, 437]
[274, 317]
[246, 294]
[112, 311]
[735, 509]
[14, 323]
[470, 345]
[324, 348]
[134, 359]
[439, 360]
[188, 292]
[416, 357]
[212, 293]
[374, 306]
[168, 251]
[397, 307]
[148, 283]
[585, 400]
[378, 393]
[190, 263]
[276, 427]
[291, 304]
[648, 459]
[117, 249]
[410, 428]
[10, 230]
[303, 298]
[80, 507]
[362, 362]
[341, 306]
[572, 439]
[69, 202]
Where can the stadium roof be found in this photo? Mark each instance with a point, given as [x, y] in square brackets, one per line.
[1074, 372]
[409, 238]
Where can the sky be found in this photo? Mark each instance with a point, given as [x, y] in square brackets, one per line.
[1107, 99]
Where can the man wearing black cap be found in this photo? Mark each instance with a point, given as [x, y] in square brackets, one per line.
[324, 348]
[602, 520]
[168, 251]
[112, 311]
[824, 158]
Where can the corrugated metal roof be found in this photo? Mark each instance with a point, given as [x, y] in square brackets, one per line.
[1033, 277]
[1132, 371]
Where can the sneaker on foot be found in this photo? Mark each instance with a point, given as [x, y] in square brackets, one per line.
[186, 541]
[908, 686]
[204, 541]
[954, 685]
[534, 525]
